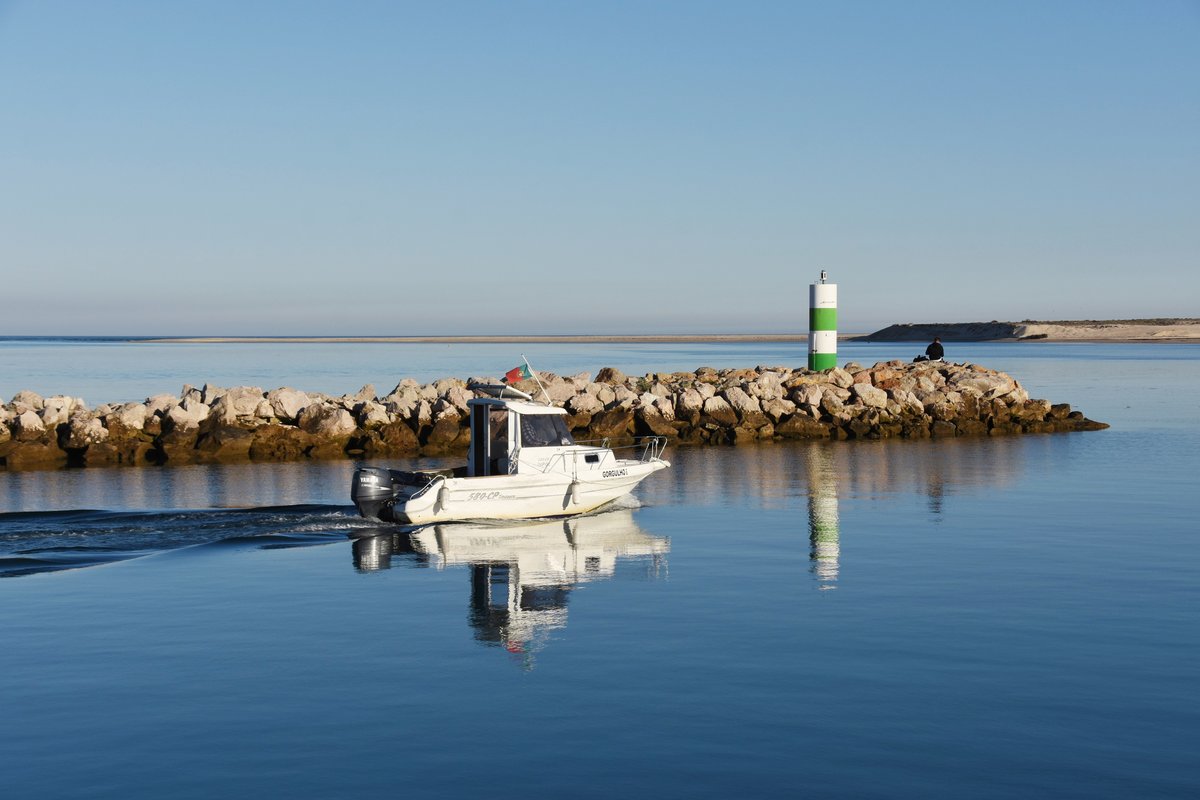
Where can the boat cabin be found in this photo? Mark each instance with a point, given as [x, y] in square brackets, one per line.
[506, 434]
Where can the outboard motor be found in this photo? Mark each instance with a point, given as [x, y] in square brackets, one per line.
[371, 490]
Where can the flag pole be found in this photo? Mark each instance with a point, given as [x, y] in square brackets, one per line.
[533, 372]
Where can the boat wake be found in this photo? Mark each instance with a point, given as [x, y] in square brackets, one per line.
[34, 542]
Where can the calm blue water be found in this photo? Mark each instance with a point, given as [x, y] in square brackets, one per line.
[978, 618]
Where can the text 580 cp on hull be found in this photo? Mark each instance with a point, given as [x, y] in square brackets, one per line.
[523, 463]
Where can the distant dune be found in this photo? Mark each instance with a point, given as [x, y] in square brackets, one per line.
[1118, 330]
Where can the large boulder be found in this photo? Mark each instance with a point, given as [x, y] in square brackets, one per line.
[219, 443]
[188, 414]
[801, 426]
[327, 421]
[767, 386]
[275, 442]
[559, 390]
[238, 403]
[624, 397]
[56, 410]
[614, 423]
[808, 396]
[131, 416]
[584, 404]
[402, 405]
[371, 414]
[832, 405]
[28, 427]
[34, 455]
[650, 419]
[364, 394]
[26, 400]
[611, 376]
[869, 395]
[986, 386]
[83, 432]
[1036, 409]
[446, 435]
[459, 395]
[749, 410]
[840, 377]
[394, 438]
[161, 403]
[720, 411]
[422, 415]
[410, 385]
[689, 404]
[777, 409]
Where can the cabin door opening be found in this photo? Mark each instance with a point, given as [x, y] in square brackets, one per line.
[489, 441]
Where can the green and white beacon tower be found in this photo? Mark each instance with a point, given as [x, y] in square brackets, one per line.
[822, 324]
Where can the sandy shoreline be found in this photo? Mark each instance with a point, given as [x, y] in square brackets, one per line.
[602, 339]
[1098, 332]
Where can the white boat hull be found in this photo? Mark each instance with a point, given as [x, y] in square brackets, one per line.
[530, 496]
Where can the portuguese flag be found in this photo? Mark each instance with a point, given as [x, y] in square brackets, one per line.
[517, 373]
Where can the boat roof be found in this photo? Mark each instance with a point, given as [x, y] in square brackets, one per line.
[517, 406]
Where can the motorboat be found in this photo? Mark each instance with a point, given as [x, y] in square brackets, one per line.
[522, 463]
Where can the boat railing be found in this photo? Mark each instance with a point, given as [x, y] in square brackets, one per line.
[648, 447]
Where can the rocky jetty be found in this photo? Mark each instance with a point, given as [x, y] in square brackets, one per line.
[708, 406]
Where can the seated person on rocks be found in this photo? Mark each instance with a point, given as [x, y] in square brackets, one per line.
[935, 352]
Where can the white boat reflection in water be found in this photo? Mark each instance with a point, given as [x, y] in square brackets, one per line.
[522, 574]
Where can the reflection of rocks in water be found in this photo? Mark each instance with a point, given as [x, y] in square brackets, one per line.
[935, 492]
[823, 516]
[522, 574]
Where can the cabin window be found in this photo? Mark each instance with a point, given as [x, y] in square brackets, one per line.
[544, 430]
[498, 422]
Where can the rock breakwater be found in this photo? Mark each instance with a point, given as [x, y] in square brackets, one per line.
[707, 406]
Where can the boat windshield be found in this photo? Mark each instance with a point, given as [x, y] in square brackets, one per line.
[544, 430]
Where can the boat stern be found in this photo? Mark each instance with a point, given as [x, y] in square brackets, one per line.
[372, 490]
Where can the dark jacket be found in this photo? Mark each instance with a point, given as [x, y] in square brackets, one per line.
[935, 351]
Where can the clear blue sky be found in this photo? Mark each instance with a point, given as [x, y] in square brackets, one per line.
[567, 167]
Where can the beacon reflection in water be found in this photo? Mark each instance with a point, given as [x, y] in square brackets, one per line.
[522, 574]
[823, 531]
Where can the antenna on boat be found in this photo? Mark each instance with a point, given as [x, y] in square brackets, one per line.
[533, 372]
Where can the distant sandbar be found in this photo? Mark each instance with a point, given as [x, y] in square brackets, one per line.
[1155, 330]
[1131, 330]
[601, 339]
